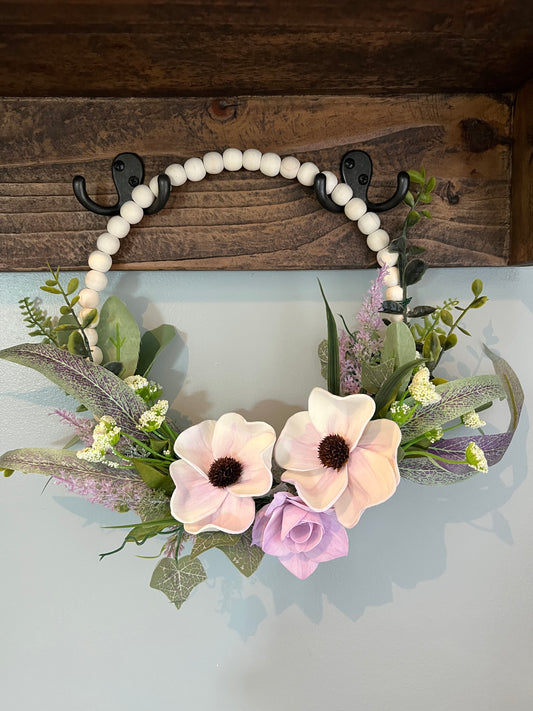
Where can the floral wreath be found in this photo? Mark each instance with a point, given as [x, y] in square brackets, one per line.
[232, 484]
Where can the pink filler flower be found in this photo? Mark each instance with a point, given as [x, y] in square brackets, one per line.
[335, 456]
[223, 464]
[300, 537]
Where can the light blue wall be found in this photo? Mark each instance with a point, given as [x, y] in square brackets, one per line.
[431, 610]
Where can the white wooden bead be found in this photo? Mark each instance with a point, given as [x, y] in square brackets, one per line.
[89, 298]
[118, 226]
[270, 164]
[131, 212]
[355, 209]
[369, 223]
[331, 181]
[306, 174]
[91, 335]
[213, 162]
[377, 240]
[392, 277]
[109, 244]
[175, 172]
[194, 169]
[142, 196]
[154, 185]
[97, 355]
[95, 280]
[100, 261]
[232, 158]
[83, 315]
[342, 194]
[394, 293]
[386, 257]
[251, 159]
[393, 317]
[289, 167]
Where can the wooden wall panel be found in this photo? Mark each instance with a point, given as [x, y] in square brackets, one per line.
[522, 178]
[246, 220]
[198, 48]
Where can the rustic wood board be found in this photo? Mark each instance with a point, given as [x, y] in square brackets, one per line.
[522, 178]
[198, 48]
[246, 220]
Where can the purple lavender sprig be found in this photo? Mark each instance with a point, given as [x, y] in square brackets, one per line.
[364, 344]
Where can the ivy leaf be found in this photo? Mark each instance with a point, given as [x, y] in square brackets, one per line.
[212, 539]
[152, 343]
[244, 556]
[96, 388]
[177, 578]
[373, 376]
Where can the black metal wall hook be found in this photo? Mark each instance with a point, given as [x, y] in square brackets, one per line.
[356, 171]
[128, 172]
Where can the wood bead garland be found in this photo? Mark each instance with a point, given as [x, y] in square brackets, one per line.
[212, 163]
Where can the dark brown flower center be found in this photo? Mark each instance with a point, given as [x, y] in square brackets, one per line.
[333, 451]
[224, 472]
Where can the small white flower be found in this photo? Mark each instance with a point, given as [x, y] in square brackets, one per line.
[401, 413]
[472, 420]
[146, 389]
[434, 435]
[475, 458]
[421, 389]
[154, 417]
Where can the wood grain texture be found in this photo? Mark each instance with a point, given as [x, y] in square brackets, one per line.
[522, 178]
[246, 220]
[197, 48]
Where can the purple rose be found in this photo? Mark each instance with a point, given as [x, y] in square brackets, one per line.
[300, 537]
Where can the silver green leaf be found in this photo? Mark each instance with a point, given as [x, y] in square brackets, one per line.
[114, 312]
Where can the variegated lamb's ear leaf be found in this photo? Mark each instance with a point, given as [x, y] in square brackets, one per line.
[511, 384]
[96, 388]
[425, 471]
[244, 556]
[457, 398]
[115, 314]
[177, 578]
[152, 343]
[37, 460]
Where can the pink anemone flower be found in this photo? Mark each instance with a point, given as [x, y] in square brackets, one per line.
[336, 456]
[223, 464]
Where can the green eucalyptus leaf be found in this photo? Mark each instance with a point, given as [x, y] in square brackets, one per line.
[431, 347]
[426, 213]
[409, 199]
[72, 286]
[333, 349]
[446, 317]
[463, 330]
[416, 177]
[65, 325]
[114, 312]
[412, 218]
[479, 302]
[50, 289]
[177, 578]
[477, 287]
[151, 344]
[449, 342]
[425, 198]
[76, 344]
[430, 185]
[89, 318]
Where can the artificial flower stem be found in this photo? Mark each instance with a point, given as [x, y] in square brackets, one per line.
[146, 447]
[407, 445]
